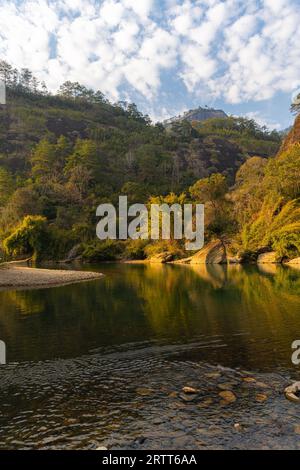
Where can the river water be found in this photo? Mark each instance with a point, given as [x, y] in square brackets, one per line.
[103, 363]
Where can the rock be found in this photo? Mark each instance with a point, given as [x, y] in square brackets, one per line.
[292, 137]
[102, 448]
[270, 257]
[228, 396]
[187, 397]
[260, 397]
[164, 257]
[183, 260]
[189, 390]
[205, 403]
[292, 391]
[226, 385]
[237, 426]
[294, 261]
[74, 252]
[262, 385]
[297, 429]
[249, 380]
[213, 375]
[144, 392]
[213, 253]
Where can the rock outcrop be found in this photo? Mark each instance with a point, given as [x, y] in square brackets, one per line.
[213, 253]
[270, 257]
[293, 136]
[164, 257]
[294, 261]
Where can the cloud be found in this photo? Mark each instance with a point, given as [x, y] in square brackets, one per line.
[232, 50]
[262, 120]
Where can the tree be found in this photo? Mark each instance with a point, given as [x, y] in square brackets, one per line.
[42, 159]
[6, 72]
[210, 189]
[29, 237]
[282, 173]
[212, 192]
[6, 185]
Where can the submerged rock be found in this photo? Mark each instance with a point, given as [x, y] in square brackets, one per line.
[228, 396]
[261, 397]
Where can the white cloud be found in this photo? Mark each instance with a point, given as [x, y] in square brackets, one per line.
[229, 49]
[263, 120]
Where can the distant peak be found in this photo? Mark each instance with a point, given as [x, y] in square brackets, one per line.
[198, 114]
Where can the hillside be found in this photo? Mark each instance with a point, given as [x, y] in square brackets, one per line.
[62, 155]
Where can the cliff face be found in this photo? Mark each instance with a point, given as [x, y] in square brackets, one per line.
[292, 137]
[199, 114]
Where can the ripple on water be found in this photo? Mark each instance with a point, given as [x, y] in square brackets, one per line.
[134, 400]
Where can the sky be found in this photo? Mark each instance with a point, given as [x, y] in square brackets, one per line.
[167, 56]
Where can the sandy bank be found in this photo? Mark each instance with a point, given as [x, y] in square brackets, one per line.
[19, 277]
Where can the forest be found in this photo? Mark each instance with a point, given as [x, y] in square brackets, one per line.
[61, 155]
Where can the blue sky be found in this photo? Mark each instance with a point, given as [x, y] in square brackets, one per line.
[165, 55]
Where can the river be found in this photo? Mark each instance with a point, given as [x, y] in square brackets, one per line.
[103, 363]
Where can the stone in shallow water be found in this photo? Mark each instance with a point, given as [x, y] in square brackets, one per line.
[297, 429]
[228, 396]
[249, 380]
[144, 392]
[260, 397]
[213, 375]
[206, 402]
[189, 390]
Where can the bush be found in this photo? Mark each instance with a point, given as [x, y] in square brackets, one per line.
[108, 250]
[29, 238]
[135, 249]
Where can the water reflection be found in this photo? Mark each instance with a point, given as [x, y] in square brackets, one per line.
[235, 316]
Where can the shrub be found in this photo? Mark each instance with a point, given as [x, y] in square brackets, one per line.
[30, 237]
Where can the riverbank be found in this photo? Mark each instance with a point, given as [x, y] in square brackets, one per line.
[16, 277]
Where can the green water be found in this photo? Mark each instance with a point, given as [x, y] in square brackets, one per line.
[104, 362]
[232, 316]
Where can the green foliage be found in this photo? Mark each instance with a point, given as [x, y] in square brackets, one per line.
[29, 237]
[108, 250]
[161, 246]
[210, 189]
[135, 249]
[283, 172]
[6, 185]
[277, 227]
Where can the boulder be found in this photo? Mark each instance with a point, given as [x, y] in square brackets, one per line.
[213, 253]
[74, 252]
[270, 257]
[164, 257]
[294, 261]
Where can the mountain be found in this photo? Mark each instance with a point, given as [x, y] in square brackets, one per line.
[62, 155]
[199, 114]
